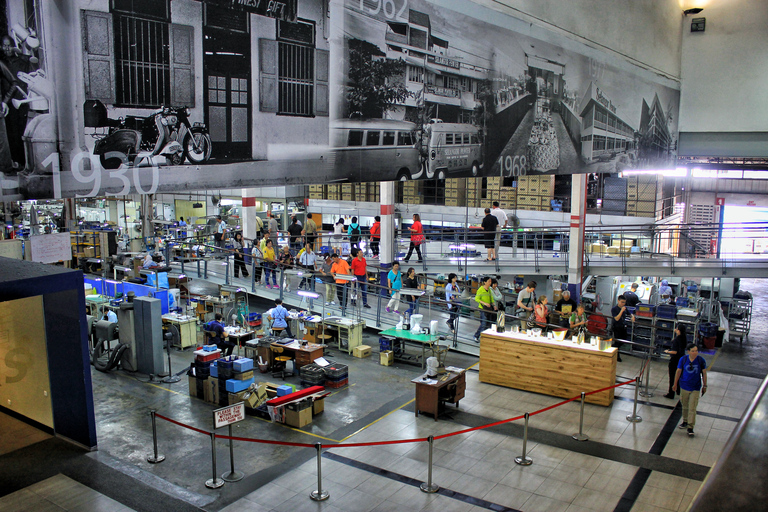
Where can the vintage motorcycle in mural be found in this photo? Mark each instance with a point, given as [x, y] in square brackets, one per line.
[166, 133]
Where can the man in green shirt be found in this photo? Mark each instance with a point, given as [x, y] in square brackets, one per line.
[486, 302]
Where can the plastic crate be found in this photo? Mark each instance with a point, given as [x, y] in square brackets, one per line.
[708, 329]
[681, 302]
[312, 373]
[385, 344]
[336, 383]
[665, 325]
[646, 310]
[666, 311]
[335, 370]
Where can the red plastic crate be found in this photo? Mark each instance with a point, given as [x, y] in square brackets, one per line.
[336, 383]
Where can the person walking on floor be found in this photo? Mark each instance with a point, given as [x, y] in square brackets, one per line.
[340, 267]
[238, 245]
[355, 232]
[269, 265]
[295, 230]
[310, 230]
[675, 354]
[487, 304]
[453, 300]
[327, 278]
[338, 236]
[360, 271]
[489, 225]
[307, 261]
[691, 371]
[394, 285]
[501, 216]
[411, 282]
[375, 236]
[417, 238]
[619, 312]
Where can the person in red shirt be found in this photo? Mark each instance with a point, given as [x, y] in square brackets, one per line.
[360, 271]
[340, 267]
[417, 237]
[375, 236]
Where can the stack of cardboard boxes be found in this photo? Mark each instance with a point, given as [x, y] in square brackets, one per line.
[642, 192]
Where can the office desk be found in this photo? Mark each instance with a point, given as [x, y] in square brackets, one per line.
[450, 387]
[187, 326]
[348, 333]
[403, 336]
[302, 355]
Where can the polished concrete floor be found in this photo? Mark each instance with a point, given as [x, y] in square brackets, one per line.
[624, 466]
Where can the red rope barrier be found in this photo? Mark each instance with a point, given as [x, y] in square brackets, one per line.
[182, 424]
[402, 441]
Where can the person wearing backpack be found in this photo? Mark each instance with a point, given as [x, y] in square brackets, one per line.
[354, 231]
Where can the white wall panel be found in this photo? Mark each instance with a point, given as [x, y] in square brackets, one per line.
[725, 69]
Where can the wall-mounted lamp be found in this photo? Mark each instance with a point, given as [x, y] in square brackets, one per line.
[693, 10]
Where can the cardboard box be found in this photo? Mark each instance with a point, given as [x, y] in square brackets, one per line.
[298, 419]
[257, 398]
[236, 398]
[361, 351]
[243, 375]
[192, 385]
[212, 391]
[318, 406]
[386, 358]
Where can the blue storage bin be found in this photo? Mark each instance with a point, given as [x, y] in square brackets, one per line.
[242, 365]
[665, 325]
[284, 390]
[666, 311]
[236, 386]
[385, 344]
[214, 370]
[681, 302]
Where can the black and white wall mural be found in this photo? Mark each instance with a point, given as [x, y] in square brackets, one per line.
[114, 97]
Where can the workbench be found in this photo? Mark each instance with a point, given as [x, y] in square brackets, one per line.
[403, 336]
[187, 326]
[547, 366]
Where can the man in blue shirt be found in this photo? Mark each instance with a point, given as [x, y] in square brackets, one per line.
[691, 371]
[218, 336]
[280, 318]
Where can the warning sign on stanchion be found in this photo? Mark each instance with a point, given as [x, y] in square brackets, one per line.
[223, 417]
[228, 415]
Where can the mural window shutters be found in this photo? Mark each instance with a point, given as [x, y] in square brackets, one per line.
[137, 61]
[293, 73]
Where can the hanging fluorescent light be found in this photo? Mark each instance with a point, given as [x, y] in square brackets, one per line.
[680, 172]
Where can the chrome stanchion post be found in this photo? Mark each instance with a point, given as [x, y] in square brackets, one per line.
[226, 268]
[581, 436]
[319, 494]
[215, 482]
[648, 393]
[428, 486]
[232, 475]
[634, 417]
[524, 460]
[154, 459]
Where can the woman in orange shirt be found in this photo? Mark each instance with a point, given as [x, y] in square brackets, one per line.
[417, 237]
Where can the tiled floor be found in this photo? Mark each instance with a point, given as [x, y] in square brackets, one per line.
[59, 493]
[476, 470]
[17, 434]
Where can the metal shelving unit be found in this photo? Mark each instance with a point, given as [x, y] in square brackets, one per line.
[739, 318]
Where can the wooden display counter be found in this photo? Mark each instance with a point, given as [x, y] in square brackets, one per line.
[550, 367]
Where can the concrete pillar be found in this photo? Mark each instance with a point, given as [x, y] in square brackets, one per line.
[248, 219]
[387, 201]
[576, 236]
